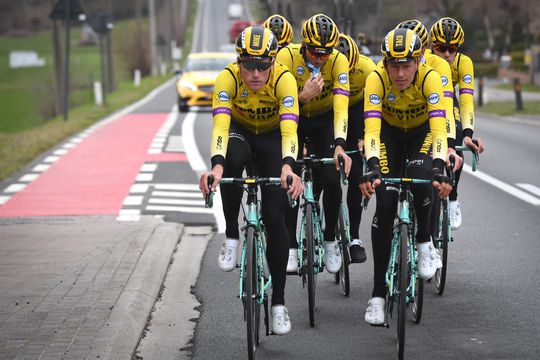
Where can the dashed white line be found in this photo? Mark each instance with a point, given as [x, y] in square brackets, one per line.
[133, 200]
[176, 187]
[29, 177]
[180, 209]
[51, 159]
[148, 167]
[41, 167]
[13, 188]
[177, 194]
[144, 177]
[4, 199]
[138, 188]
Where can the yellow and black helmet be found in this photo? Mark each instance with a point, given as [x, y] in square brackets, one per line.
[256, 41]
[280, 27]
[401, 45]
[447, 31]
[348, 47]
[320, 31]
[418, 28]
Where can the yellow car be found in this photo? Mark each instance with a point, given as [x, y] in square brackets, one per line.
[195, 85]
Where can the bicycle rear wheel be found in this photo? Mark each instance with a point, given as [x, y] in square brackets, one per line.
[402, 291]
[311, 262]
[441, 243]
[251, 293]
[343, 234]
[417, 299]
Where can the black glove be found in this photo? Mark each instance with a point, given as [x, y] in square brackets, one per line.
[370, 176]
[437, 175]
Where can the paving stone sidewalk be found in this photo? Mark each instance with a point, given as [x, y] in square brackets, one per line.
[79, 287]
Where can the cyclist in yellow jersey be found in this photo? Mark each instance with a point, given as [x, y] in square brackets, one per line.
[404, 115]
[446, 37]
[281, 28]
[255, 110]
[322, 76]
[360, 67]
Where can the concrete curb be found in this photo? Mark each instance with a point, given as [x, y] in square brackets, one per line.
[119, 338]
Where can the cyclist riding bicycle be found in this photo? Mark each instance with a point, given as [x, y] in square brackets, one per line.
[404, 116]
[322, 76]
[360, 67]
[255, 110]
[446, 38]
[281, 28]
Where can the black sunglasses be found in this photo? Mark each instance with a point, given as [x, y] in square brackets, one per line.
[315, 52]
[440, 47]
[252, 65]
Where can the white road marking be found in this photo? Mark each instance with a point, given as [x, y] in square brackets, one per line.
[512, 190]
[148, 167]
[4, 199]
[177, 194]
[13, 188]
[144, 177]
[181, 187]
[29, 177]
[530, 188]
[139, 188]
[176, 202]
[129, 215]
[188, 134]
[133, 200]
[180, 209]
[51, 159]
[41, 167]
[60, 152]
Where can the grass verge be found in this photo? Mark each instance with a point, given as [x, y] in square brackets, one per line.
[508, 108]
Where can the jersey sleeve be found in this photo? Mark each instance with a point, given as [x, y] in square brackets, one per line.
[285, 57]
[224, 89]
[466, 94]
[287, 95]
[448, 99]
[341, 92]
[374, 93]
[436, 111]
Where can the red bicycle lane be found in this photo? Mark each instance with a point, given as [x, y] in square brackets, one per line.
[95, 176]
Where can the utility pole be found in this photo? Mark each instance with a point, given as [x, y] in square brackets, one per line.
[153, 50]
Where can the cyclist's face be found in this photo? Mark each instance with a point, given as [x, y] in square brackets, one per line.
[315, 58]
[447, 52]
[402, 74]
[255, 78]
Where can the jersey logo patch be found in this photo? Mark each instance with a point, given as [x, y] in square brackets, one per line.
[224, 96]
[391, 97]
[374, 99]
[244, 94]
[288, 101]
[343, 78]
[433, 98]
[444, 80]
[467, 79]
[300, 70]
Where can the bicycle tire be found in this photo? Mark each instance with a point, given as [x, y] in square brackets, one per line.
[310, 271]
[251, 293]
[344, 278]
[402, 290]
[418, 298]
[442, 246]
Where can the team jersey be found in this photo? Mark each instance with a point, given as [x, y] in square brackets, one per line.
[274, 106]
[335, 92]
[463, 76]
[443, 68]
[406, 110]
[363, 67]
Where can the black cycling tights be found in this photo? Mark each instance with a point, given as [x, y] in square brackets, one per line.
[420, 166]
[457, 175]
[321, 135]
[267, 150]
[355, 132]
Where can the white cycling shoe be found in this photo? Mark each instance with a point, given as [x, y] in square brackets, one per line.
[455, 214]
[281, 324]
[292, 263]
[227, 254]
[429, 260]
[375, 311]
[332, 256]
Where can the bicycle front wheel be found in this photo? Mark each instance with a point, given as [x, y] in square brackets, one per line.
[252, 304]
[343, 233]
[311, 262]
[441, 243]
[402, 291]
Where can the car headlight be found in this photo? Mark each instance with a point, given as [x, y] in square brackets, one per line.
[188, 85]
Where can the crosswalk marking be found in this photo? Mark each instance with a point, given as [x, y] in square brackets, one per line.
[177, 194]
[180, 209]
[176, 202]
[194, 187]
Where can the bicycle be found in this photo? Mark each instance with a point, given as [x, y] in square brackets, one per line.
[255, 279]
[404, 286]
[343, 236]
[443, 232]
